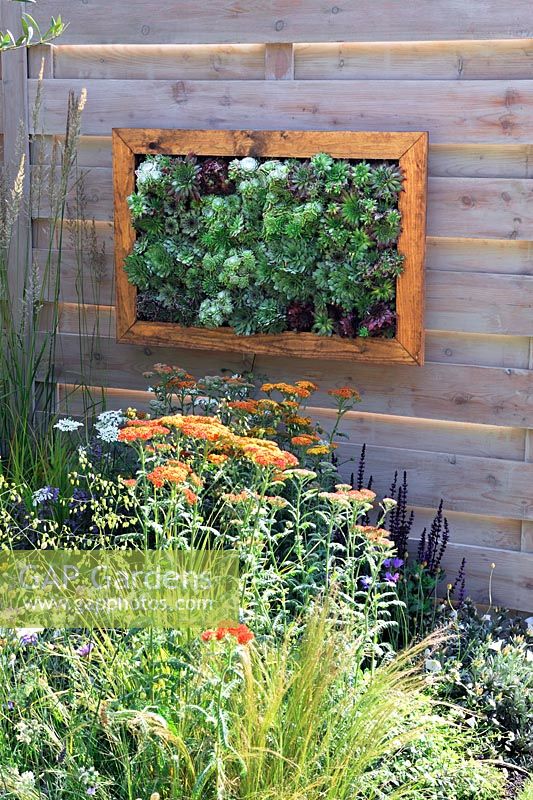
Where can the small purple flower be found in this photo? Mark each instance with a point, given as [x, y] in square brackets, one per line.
[85, 649]
[366, 581]
[91, 790]
[392, 578]
[48, 494]
[397, 562]
[10, 705]
[29, 638]
[387, 563]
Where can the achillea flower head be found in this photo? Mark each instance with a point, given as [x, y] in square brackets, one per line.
[345, 393]
[304, 439]
[141, 433]
[241, 633]
[249, 406]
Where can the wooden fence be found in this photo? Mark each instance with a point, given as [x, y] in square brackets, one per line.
[461, 69]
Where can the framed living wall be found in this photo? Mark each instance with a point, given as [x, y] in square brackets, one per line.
[375, 186]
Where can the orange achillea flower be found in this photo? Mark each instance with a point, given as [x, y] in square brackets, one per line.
[174, 472]
[300, 422]
[198, 427]
[287, 389]
[141, 433]
[345, 393]
[250, 406]
[130, 482]
[276, 501]
[190, 496]
[304, 439]
[309, 385]
[345, 494]
[267, 457]
[239, 497]
[176, 383]
[290, 404]
[242, 633]
[267, 404]
[141, 423]
[376, 535]
[217, 458]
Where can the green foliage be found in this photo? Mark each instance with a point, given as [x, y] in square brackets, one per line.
[488, 671]
[31, 34]
[268, 235]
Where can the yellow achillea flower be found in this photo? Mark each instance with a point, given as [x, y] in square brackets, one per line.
[321, 449]
[217, 458]
[309, 385]
[286, 389]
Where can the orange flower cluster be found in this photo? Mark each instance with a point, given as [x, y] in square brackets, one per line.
[345, 393]
[344, 494]
[242, 633]
[250, 406]
[175, 472]
[305, 439]
[265, 453]
[288, 389]
[141, 433]
[376, 535]
[197, 427]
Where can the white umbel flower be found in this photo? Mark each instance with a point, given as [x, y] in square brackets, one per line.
[68, 425]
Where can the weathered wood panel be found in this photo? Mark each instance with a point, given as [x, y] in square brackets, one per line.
[477, 207]
[476, 485]
[489, 112]
[480, 302]
[217, 21]
[165, 62]
[445, 161]
[512, 577]
[456, 392]
[453, 60]
[480, 255]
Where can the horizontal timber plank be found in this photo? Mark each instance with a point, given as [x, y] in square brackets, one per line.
[509, 59]
[508, 257]
[473, 529]
[160, 62]
[445, 161]
[217, 21]
[475, 207]
[480, 302]
[484, 208]
[461, 393]
[480, 161]
[512, 578]
[373, 429]
[495, 487]
[488, 112]
[445, 347]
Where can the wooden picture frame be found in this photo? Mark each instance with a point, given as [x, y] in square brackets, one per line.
[409, 148]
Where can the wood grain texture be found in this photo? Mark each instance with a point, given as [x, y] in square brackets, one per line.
[477, 207]
[445, 161]
[509, 257]
[512, 578]
[474, 485]
[124, 185]
[480, 303]
[455, 392]
[480, 208]
[217, 21]
[279, 62]
[509, 59]
[454, 112]
[161, 62]
[411, 151]
[442, 346]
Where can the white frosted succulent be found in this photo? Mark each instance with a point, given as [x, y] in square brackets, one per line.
[148, 171]
[67, 425]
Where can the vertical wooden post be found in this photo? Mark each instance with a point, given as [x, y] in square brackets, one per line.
[16, 145]
[526, 538]
[279, 62]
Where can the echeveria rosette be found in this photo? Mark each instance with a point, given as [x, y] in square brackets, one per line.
[267, 245]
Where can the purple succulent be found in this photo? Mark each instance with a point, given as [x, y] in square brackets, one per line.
[300, 316]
